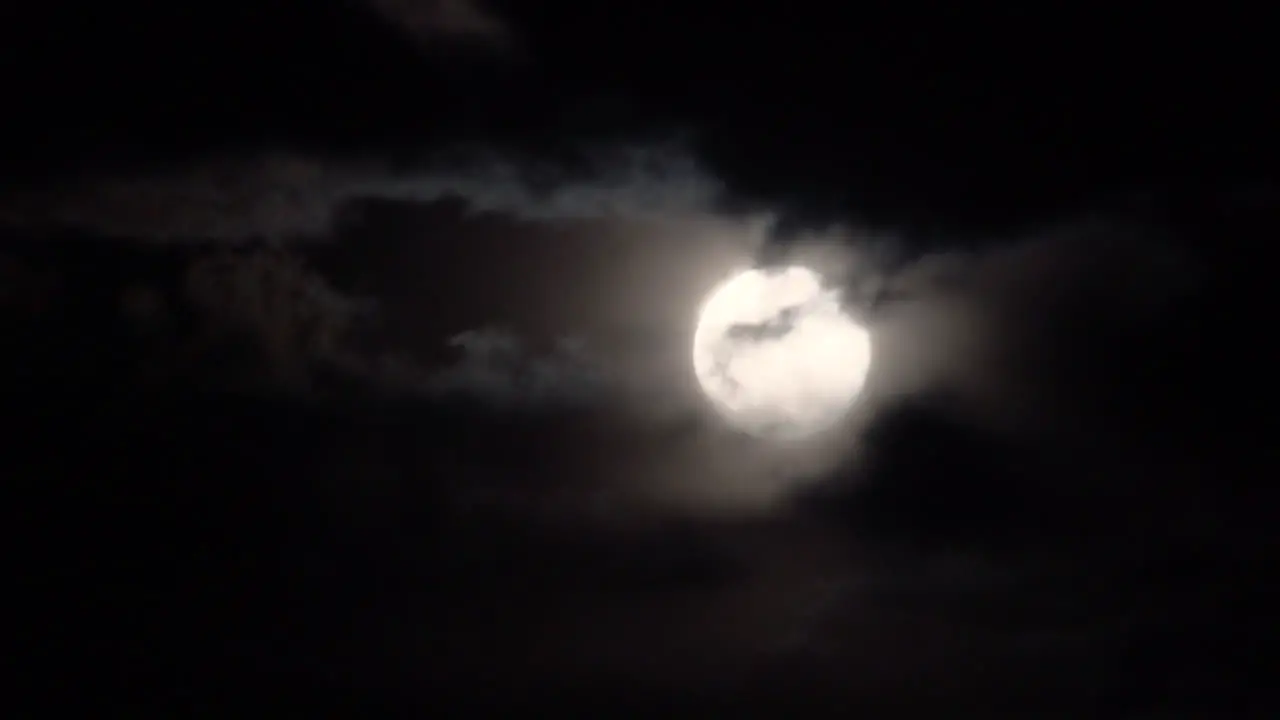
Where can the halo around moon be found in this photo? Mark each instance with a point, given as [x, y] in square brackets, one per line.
[777, 355]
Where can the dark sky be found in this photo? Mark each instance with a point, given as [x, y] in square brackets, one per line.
[279, 279]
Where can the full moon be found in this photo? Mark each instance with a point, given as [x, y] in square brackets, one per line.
[777, 355]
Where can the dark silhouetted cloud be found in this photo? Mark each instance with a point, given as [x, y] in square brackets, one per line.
[271, 297]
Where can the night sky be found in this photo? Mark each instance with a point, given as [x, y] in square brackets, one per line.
[349, 359]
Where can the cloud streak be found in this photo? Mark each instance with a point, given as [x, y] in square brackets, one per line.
[630, 181]
[290, 198]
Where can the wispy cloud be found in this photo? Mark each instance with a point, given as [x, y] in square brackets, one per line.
[290, 197]
[637, 181]
[498, 369]
[448, 20]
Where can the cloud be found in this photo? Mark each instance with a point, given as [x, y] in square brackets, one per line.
[1031, 314]
[25, 289]
[271, 196]
[495, 369]
[1026, 387]
[1066, 323]
[603, 180]
[290, 197]
[143, 307]
[927, 475]
[291, 313]
[499, 370]
[448, 20]
[1078, 430]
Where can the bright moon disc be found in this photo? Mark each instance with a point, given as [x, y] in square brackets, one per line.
[777, 355]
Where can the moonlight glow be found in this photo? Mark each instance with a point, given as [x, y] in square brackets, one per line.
[777, 355]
